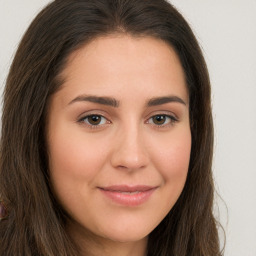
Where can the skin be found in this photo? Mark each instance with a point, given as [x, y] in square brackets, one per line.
[128, 146]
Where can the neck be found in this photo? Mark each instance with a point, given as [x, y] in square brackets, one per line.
[93, 245]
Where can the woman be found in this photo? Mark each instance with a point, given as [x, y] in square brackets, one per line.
[107, 135]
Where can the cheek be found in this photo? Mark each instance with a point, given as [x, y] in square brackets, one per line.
[74, 161]
[172, 161]
[75, 164]
[74, 153]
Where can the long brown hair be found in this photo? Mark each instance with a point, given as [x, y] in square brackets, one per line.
[36, 222]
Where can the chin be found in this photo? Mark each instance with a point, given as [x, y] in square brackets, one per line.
[126, 234]
[126, 238]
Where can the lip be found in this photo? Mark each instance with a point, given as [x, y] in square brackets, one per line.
[128, 195]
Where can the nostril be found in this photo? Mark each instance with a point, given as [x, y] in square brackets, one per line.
[129, 152]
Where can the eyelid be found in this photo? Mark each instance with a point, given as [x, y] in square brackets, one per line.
[167, 114]
[86, 115]
[164, 113]
[91, 112]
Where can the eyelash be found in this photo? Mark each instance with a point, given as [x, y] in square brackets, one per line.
[171, 122]
[93, 126]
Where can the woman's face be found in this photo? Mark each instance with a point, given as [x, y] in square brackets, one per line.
[119, 136]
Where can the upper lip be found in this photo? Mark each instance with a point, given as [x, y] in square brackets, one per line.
[128, 188]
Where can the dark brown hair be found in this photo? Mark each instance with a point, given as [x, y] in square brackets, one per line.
[36, 222]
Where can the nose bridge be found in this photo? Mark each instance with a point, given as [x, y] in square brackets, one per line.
[130, 151]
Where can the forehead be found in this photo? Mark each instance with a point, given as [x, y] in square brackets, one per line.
[123, 62]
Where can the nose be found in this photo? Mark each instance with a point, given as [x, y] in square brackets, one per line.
[130, 150]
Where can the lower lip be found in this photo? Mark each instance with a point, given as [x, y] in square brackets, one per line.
[128, 199]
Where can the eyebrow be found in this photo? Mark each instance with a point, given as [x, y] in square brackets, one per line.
[109, 101]
[163, 100]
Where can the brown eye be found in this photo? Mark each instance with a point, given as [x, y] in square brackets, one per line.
[159, 119]
[94, 120]
[162, 120]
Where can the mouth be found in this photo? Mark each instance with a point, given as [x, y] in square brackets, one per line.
[128, 195]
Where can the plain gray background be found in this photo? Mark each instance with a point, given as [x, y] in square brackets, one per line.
[226, 30]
